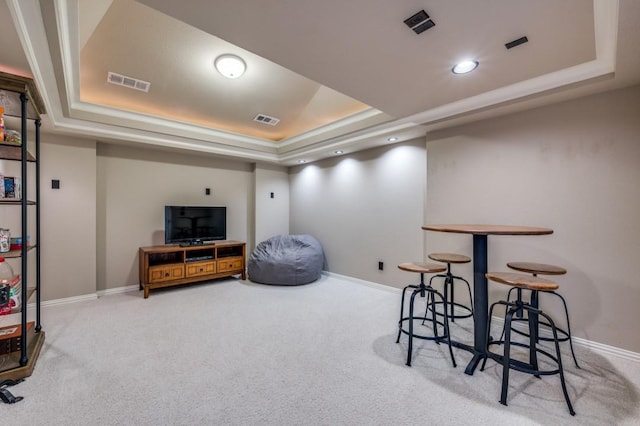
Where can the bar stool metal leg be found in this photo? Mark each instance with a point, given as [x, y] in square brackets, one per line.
[534, 316]
[506, 360]
[430, 293]
[567, 336]
[566, 313]
[448, 290]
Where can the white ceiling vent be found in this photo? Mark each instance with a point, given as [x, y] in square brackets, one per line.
[131, 83]
[261, 118]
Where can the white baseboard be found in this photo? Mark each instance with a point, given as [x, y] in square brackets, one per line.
[117, 290]
[85, 297]
[63, 301]
[594, 346]
[577, 341]
[362, 282]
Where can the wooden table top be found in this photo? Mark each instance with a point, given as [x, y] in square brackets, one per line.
[489, 229]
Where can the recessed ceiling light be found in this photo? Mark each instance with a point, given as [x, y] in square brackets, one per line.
[302, 161]
[338, 152]
[230, 66]
[392, 139]
[465, 67]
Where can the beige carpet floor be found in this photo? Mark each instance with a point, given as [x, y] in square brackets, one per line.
[232, 352]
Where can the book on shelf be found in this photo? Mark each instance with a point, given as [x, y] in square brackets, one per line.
[10, 337]
[11, 187]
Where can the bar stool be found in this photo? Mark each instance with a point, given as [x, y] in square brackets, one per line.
[545, 269]
[534, 284]
[422, 290]
[449, 278]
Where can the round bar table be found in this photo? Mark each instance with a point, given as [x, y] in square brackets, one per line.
[480, 292]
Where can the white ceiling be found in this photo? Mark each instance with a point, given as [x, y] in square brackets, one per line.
[338, 74]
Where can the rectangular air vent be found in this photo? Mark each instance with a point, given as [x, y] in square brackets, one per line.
[132, 83]
[516, 42]
[261, 118]
[419, 22]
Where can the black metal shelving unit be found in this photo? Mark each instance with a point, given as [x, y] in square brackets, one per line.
[20, 98]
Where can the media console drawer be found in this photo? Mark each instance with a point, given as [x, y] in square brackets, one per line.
[201, 268]
[170, 265]
[231, 264]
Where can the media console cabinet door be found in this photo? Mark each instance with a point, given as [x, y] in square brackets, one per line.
[166, 272]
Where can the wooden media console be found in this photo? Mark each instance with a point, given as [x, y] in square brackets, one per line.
[170, 265]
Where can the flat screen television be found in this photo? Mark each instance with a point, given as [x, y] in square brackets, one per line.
[192, 225]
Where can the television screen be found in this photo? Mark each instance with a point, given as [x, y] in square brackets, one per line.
[194, 225]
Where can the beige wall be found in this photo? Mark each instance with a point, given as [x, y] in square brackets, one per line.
[364, 208]
[271, 214]
[135, 184]
[68, 217]
[573, 167]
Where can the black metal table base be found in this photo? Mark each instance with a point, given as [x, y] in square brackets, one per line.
[475, 359]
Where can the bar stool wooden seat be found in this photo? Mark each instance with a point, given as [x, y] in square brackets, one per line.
[534, 284]
[546, 269]
[406, 324]
[448, 288]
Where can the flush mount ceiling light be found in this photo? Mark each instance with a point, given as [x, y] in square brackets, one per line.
[465, 67]
[230, 66]
[338, 152]
[392, 139]
[302, 161]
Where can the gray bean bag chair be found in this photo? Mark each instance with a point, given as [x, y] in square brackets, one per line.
[286, 260]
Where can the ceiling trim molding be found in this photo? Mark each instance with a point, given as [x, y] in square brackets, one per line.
[37, 53]
[605, 25]
[67, 23]
[67, 16]
[85, 110]
[164, 132]
[34, 42]
[375, 133]
[108, 132]
[344, 122]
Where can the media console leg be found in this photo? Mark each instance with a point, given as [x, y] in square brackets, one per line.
[146, 291]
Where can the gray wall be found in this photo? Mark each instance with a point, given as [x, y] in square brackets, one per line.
[68, 240]
[364, 208]
[573, 167]
[271, 214]
[135, 184]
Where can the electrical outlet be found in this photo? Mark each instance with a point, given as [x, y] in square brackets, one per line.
[380, 266]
